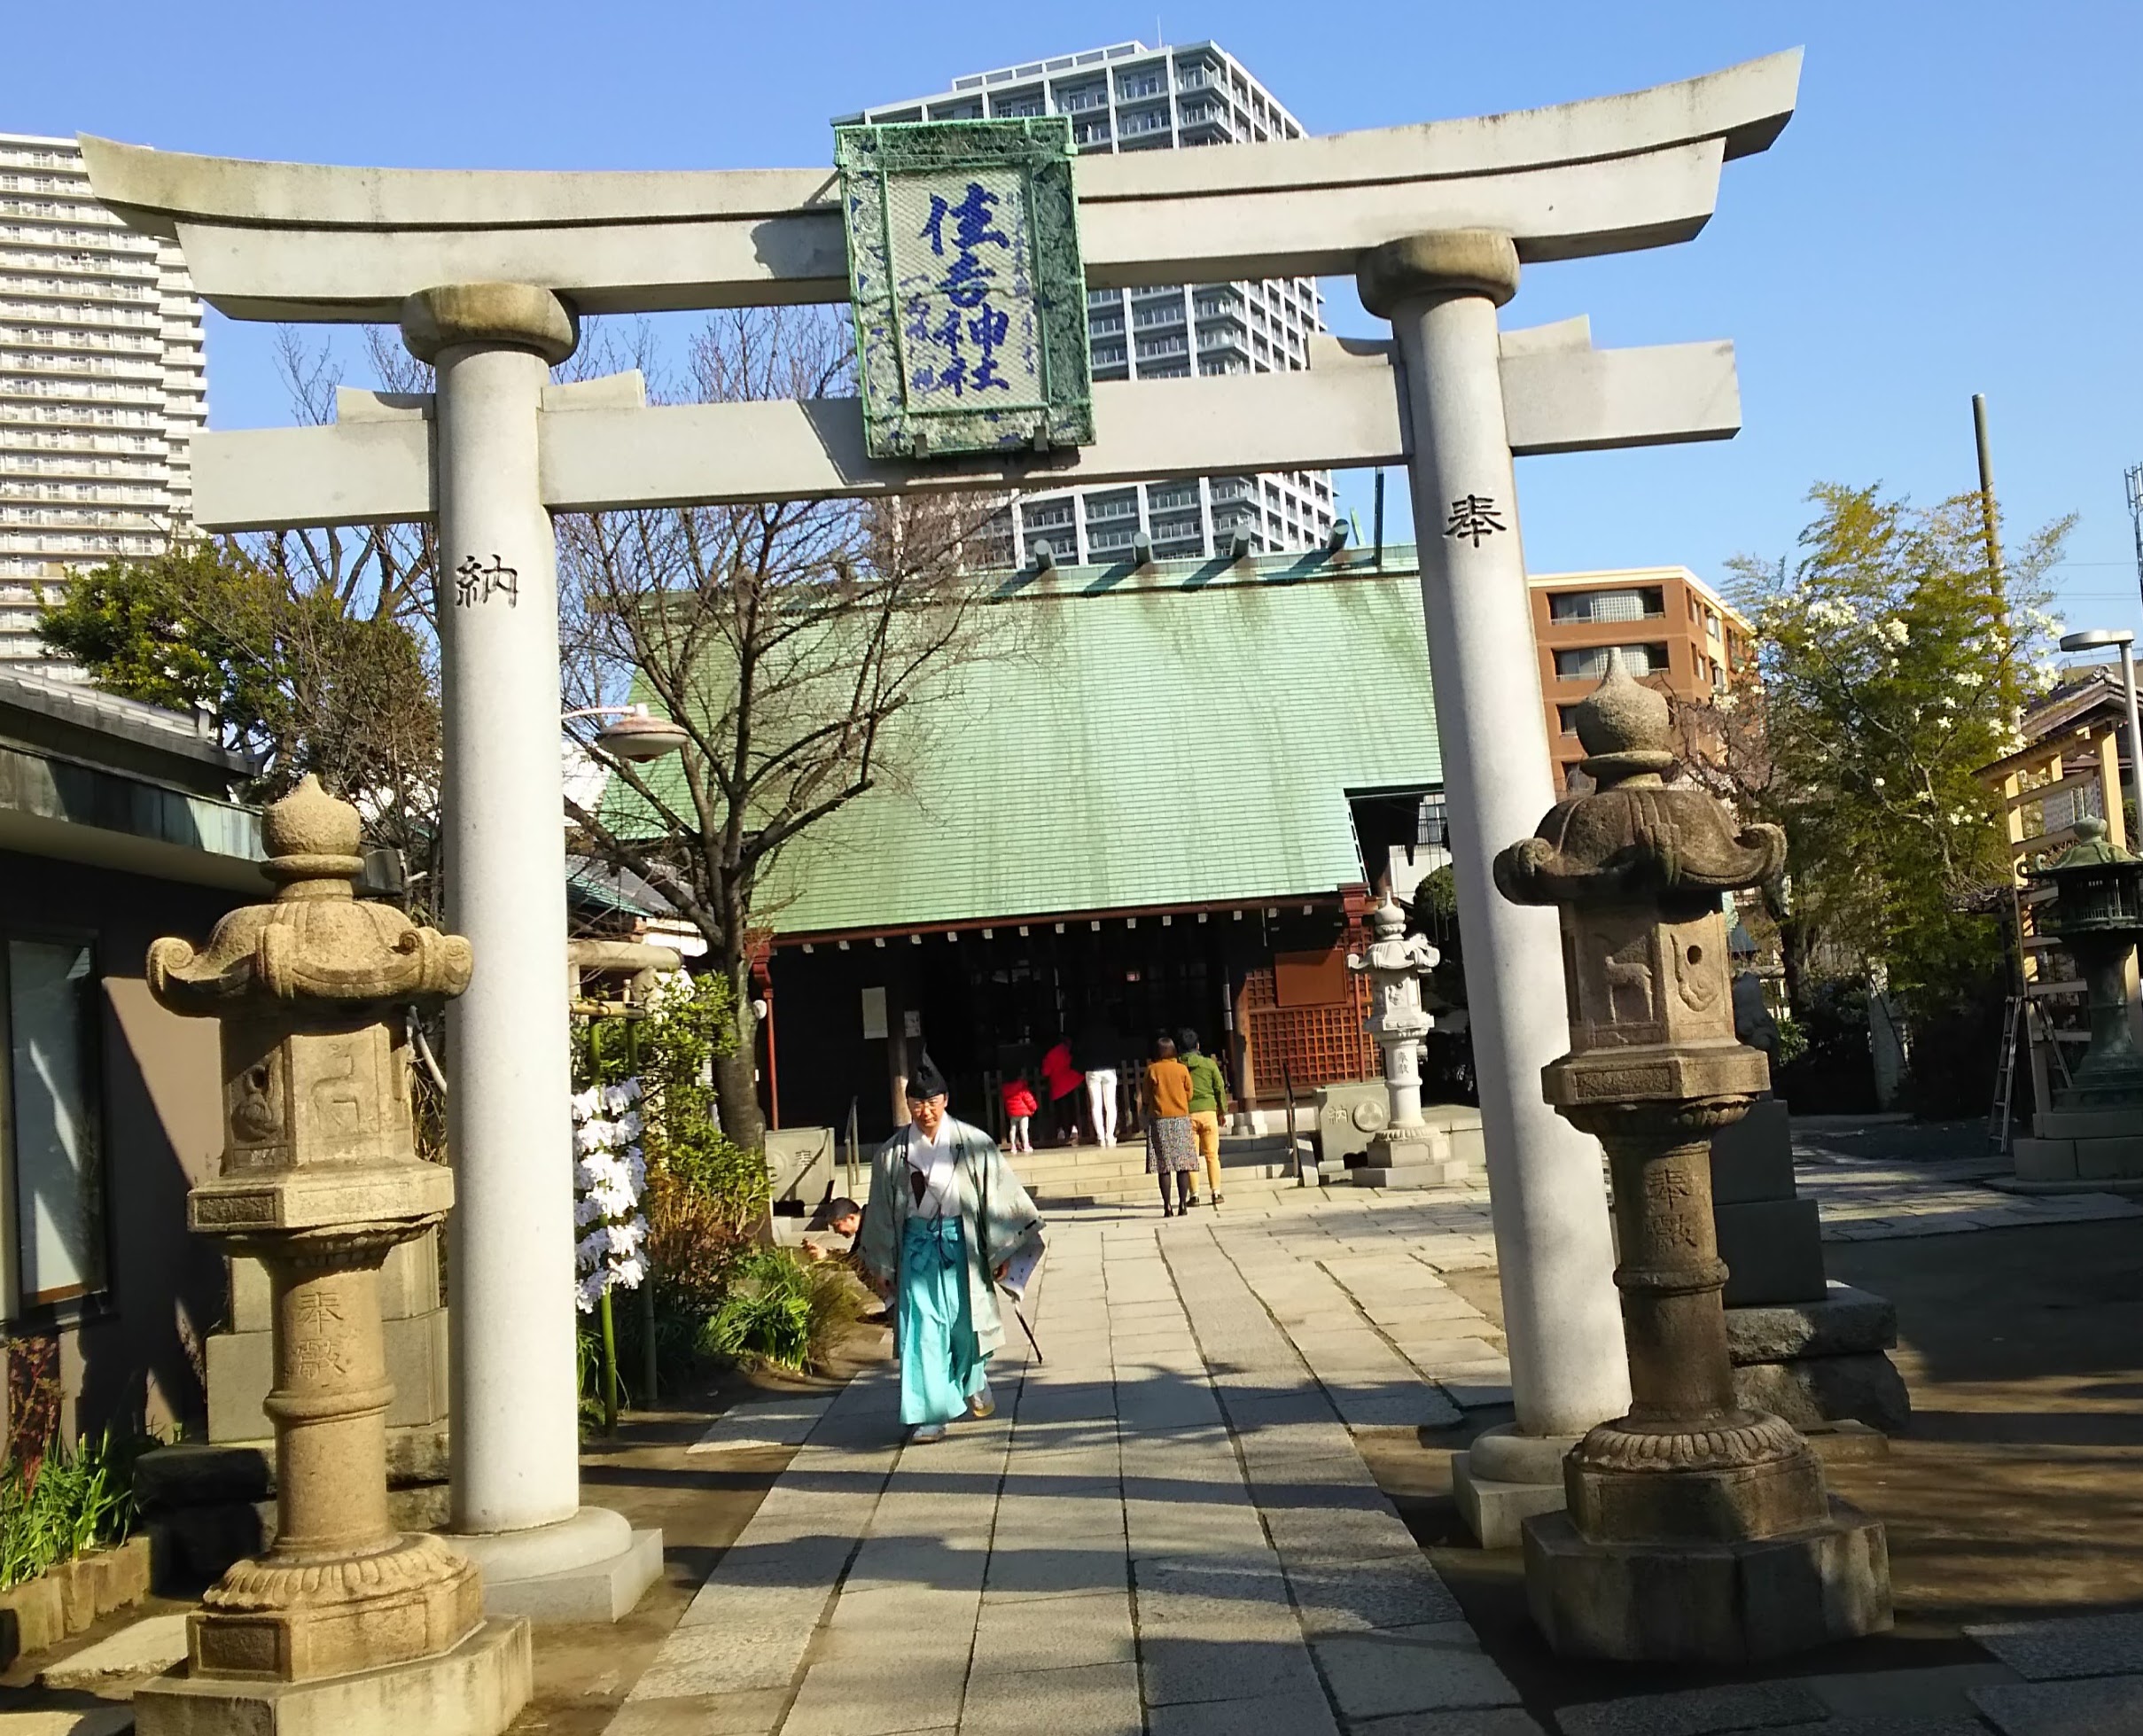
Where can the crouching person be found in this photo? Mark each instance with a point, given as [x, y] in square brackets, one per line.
[947, 1215]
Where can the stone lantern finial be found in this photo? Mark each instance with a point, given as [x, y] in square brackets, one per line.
[319, 1181]
[312, 836]
[1624, 726]
[1697, 1528]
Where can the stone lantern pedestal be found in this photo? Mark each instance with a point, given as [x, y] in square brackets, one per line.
[345, 1624]
[1406, 1151]
[1697, 1528]
[2092, 1136]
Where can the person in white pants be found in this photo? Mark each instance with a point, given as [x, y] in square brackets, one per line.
[1100, 1100]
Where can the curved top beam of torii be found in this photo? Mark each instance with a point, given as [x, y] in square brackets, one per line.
[299, 241]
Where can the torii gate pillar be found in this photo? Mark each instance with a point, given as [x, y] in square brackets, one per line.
[516, 1467]
[1555, 1251]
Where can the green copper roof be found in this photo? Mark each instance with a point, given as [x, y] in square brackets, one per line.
[1185, 735]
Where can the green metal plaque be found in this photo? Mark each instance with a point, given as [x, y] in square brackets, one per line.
[970, 297]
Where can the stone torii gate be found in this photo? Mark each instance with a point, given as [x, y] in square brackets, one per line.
[487, 275]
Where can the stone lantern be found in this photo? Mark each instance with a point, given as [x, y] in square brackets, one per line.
[1405, 1151]
[1696, 1529]
[344, 1624]
[2092, 1134]
[2098, 913]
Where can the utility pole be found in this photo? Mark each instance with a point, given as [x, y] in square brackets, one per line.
[2134, 475]
[1986, 489]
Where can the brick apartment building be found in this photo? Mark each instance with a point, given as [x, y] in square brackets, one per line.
[1668, 623]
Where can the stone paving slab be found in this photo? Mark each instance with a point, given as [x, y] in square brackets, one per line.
[2068, 1645]
[2106, 1706]
[751, 1714]
[1305, 1714]
[74, 1721]
[1055, 1633]
[1953, 1723]
[146, 1648]
[773, 1422]
[1495, 1721]
[1695, 1711]
[1097, 1700]
[1437, 1667]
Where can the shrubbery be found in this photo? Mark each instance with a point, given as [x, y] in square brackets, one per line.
[780, 1313]
[67, 1503]
[718, 1292]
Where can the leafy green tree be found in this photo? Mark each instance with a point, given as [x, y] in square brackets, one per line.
[1891, 664]
[305, 677]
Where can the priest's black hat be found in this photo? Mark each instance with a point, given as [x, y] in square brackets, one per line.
[926, 1081]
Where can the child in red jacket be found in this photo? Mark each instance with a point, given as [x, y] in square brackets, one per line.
[1019, 1106]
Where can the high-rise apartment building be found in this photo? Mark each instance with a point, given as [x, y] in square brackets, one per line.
[1131, 98]
[102, 382]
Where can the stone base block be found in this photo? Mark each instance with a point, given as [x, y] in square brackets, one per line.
[413, 1601]
[474, 1690]
[1447, 1173]
[1494, 1510]
[1697, 1505]
[207, 1506]
[1808, 1391]
[2046, 1160]
[2119, 1158]
[1421, 1158]
[2109, 1163]
[2089, 1124]
[1845, 1322]
[1714, 1603]
[1773, 1251]
[1752, 1159]
[603, 1592]
[33, 1618]
[1847, 1443]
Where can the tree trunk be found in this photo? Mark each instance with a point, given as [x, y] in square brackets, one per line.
[737, 1073]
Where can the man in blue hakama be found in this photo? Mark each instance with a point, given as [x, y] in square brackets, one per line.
[946, 1216]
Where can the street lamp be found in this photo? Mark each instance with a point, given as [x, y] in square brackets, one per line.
[633, 734]
[2092, 640]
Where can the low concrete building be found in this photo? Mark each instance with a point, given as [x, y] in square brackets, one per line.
[116, 825]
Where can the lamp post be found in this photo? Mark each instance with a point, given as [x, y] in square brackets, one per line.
[2094, 639]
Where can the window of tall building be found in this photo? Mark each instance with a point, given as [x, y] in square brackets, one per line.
[1610, 605]
[1590, 663]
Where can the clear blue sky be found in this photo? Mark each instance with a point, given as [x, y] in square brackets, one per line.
[1952, 210]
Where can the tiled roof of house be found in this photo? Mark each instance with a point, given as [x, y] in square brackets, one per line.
[1185, 735]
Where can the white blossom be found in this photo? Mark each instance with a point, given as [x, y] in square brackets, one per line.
[609, 1179]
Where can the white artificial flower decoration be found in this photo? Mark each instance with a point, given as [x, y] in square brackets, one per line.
[607, 1182]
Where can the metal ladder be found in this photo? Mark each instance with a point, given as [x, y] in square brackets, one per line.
[2017, 1011]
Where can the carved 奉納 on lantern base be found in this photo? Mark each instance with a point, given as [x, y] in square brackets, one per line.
[345, 1624]
[1696, 1529]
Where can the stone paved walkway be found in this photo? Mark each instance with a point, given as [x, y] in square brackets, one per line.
[1166, 1529]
